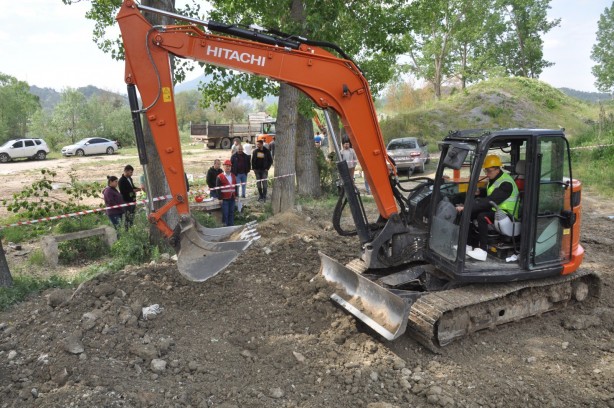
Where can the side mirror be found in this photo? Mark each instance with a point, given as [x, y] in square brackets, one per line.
[455, 157]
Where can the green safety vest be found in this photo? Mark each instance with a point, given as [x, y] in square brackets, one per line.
[509, 205]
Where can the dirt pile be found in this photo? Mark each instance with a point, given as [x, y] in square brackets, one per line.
[264, 334]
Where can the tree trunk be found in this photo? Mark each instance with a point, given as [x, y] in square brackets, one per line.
[6, 280]
[307, 174]
[157, 178]
[285, 149]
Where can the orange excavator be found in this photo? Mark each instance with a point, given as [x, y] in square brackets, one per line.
[412, 273]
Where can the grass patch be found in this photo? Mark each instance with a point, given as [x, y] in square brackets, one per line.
[23, 286]
[37, 258]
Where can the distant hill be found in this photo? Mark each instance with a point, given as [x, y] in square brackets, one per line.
[193, 84]
[49, 98]
[587, 96]
[496, 103]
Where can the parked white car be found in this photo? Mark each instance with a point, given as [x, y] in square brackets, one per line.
[23, 149]
[90, 145]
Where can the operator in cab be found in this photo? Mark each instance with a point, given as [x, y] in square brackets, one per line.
[501, 190]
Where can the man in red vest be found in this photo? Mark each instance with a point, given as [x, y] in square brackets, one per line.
[227, 182]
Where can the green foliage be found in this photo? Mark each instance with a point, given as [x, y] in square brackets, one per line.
[76, 116]
[205, 219]
[133, 246]
[90, 248]
[83, 249]
[36, 258]
[24, 233]
[520, 46]
[17, 105]
[603, 51]
[328, 172]
[493, 111]
[593, 156]
[37, 200]
[24, 286]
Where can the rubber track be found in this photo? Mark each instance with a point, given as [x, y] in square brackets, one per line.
[426, 313]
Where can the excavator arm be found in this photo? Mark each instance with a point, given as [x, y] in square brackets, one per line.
[331, 82]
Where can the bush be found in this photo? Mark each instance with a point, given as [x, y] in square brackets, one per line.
[82, 249]
[328, 172]
[133, 245]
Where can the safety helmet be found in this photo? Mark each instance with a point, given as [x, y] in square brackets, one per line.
[227, 162]
[492, 160]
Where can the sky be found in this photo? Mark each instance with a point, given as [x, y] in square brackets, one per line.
[49, 44]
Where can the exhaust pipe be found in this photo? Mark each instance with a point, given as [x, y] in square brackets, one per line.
[378, 308]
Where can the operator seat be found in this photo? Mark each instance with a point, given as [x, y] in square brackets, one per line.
[519, 170]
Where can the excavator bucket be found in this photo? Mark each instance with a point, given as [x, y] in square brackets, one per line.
[380, 309]
[205, 252]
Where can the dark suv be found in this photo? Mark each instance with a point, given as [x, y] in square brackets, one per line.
[23, 148]
[409, 153]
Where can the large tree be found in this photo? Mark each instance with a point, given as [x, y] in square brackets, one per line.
[520, 48]
[17, 106]
[369, 31]
[435, 25]
[603, 52]
[71, 116]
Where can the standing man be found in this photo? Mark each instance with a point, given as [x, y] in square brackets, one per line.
[241, 167]
[212, 174]
[128, 192]
[261, 163]
[227, 182]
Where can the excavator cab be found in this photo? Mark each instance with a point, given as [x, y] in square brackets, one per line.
[538, 238]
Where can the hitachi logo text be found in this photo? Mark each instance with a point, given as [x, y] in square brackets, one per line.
[244, 57]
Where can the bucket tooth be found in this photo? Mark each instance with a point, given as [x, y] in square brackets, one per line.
[380, 309]
[217, 234]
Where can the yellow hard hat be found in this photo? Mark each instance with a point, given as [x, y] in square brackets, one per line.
[492, 160]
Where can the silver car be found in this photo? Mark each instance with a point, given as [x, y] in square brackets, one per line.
[90, 145]
[409, 154]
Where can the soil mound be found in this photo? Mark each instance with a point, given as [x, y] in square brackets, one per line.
[264, 334]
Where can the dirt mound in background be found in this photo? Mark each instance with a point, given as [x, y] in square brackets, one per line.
[264, 334]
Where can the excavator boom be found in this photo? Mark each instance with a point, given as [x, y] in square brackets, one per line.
[331, 83]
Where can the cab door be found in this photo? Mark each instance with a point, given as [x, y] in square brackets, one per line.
[550, 240]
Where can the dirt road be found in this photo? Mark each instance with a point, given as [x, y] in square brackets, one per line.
[264, 334]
